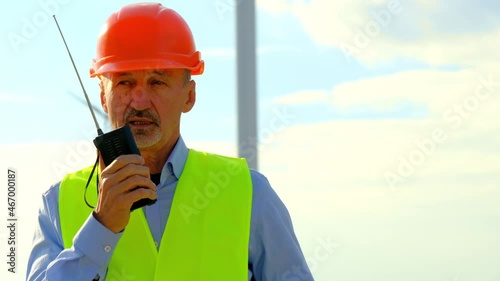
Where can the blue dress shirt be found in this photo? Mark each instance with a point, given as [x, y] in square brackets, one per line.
[273, 248]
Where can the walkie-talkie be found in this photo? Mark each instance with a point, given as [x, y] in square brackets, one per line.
[112, 144]
[115, 143]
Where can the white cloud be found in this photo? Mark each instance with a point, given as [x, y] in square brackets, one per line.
[383, 30]
[358, 153]
[331, 176]
[453, 98]
[452, 145]
[429, 5]
[433, 89]
[303, 97]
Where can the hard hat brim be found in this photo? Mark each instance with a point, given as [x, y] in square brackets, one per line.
[124, 66]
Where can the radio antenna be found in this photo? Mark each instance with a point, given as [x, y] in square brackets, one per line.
[99, 131]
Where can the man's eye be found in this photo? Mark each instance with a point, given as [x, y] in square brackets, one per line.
[124, 82]
[157, 82]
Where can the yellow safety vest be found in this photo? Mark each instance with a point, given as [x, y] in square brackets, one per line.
[207, 233]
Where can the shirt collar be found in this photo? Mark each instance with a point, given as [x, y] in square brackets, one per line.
[176, 161]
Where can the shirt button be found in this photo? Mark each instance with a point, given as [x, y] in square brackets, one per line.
[107, 249]
[156, 244]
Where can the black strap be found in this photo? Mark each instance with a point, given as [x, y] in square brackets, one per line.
[88, 182]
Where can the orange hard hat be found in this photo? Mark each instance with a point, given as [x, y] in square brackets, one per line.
[146, 36]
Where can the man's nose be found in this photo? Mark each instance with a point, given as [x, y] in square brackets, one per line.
[140, 98]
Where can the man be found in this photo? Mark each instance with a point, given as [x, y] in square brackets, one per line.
[214, 218]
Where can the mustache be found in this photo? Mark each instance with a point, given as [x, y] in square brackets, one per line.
[142, 114]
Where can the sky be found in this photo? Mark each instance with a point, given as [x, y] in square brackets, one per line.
[377, 120]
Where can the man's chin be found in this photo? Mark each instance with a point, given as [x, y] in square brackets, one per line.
[146, 138]
[145, 143]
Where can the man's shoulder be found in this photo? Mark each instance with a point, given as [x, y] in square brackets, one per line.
[53, 189]
[259, 180]
[268, 210]
[262, 188]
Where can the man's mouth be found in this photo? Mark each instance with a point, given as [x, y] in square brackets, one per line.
[140, 123]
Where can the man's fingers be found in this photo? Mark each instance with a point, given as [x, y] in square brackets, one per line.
[128, 168]
[133, 169]
[123, 160]
[137, 194]
[131, 183]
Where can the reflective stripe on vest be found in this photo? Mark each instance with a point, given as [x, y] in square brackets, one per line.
[207, 232]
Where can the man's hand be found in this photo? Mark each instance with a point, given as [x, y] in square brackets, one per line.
[116, 190]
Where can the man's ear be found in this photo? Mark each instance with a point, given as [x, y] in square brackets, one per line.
[103, 97]
[190, 96]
